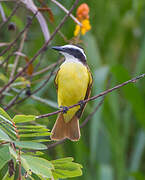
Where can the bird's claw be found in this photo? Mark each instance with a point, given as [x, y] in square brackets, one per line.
[64, 108]
[81, 103]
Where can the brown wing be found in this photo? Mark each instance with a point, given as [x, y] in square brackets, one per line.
[80, 111]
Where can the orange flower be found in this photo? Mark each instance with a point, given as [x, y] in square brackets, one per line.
[83, 11]
[83, 17]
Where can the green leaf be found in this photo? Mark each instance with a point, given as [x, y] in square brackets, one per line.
[138, 176]
[137, 151]
[100, 78]
[65, 168]
[132, 93]
[4, 171]
[4, 155]
[3, 113]
[37, 165]
[35, 134]
[30, 145]
[30, 127]
[32, 130]
[13, 153]
[92, 52]
[23, 118]
[4, 136]
[62, 160]
[9, 130]
[6, 124]
[40, 140]
[140, 66]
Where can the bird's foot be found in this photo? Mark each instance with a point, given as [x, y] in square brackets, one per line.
[64, 108]
[81, 103]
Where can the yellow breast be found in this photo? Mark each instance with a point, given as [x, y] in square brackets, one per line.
[72, 80]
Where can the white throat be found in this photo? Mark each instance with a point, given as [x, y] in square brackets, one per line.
[69, 58]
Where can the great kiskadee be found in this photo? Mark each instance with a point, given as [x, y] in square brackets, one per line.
[73, 82]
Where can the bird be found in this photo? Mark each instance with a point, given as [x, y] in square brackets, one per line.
[73, 82]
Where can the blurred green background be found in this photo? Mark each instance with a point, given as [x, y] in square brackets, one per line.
[112, 145]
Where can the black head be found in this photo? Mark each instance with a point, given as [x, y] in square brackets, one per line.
[72, 51]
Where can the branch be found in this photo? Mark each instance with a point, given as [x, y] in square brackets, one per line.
[17, 56]
[18, 36]
[81, 126]
[19, 160]
[12, 102]
[65, 10]
[47, 68]
[2, 14]
[13, 12]
[7, 58]
[31, 6]
[42, 48]
[97, 96]
[40, 87]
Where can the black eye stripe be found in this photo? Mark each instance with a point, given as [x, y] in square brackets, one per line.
[76, 53]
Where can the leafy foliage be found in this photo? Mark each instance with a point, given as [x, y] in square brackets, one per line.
[112, 143]
[62, 168]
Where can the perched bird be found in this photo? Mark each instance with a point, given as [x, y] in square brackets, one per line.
[73, 82]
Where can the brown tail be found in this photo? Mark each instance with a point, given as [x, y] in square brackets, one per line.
[62, 130]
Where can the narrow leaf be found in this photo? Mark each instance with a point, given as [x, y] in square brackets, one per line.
[4, 155]
[30, 145]
[23, 118]
[3, 113]
[4, 136]
[33, 130]
[35, 134]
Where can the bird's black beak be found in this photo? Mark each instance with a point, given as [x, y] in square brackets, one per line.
[57, 48]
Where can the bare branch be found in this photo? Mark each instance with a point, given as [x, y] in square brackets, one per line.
[31, 6]
[97, 96]
[41, 49]
[47, 68]
[10, 104]
[18, 36]
[7, 59]
[2, 14]
[65, 10]
[17, 57]
[40, 87]
[82, 125]
[12, 13]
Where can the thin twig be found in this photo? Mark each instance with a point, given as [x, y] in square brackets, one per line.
[17, 56]
[14, 100]
[7, 59]
[41, 49]
[2, 14]
[82, 125]
[65, 10]
[19, 159]
[47, 68]
[56, 143]
[12, 13]
[18, 36]
[40, 87]
[96, 108]
[10, 104]
[97, 96]
[43, 24]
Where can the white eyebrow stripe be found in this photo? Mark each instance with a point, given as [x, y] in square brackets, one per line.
[74, 47]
